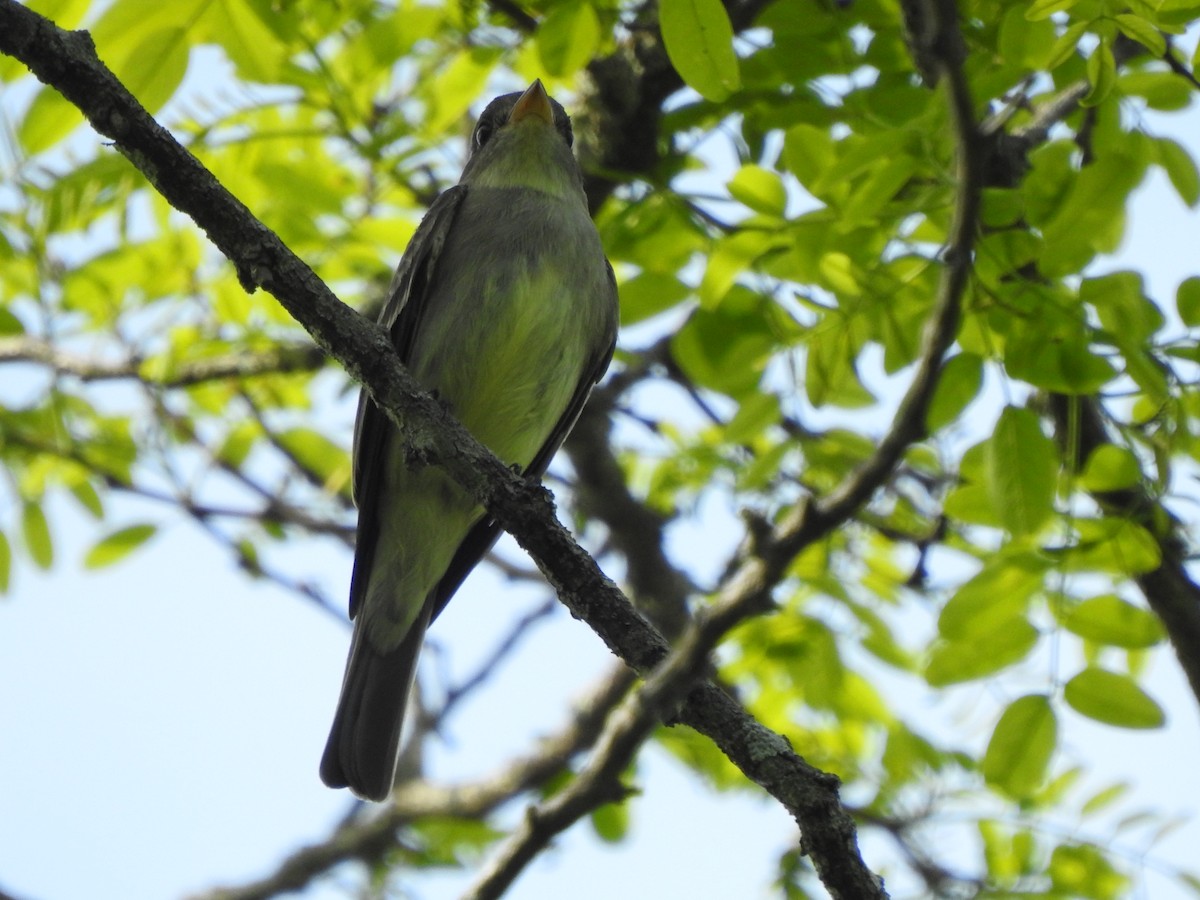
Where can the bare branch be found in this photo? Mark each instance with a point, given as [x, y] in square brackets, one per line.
[283, 359]
[515, 634]
[368, 840]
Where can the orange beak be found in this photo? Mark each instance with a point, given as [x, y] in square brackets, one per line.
[534, 102]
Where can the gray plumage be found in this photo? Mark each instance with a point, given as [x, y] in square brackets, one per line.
[505, 306]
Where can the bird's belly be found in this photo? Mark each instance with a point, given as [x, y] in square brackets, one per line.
[508, 366]
[522, 353]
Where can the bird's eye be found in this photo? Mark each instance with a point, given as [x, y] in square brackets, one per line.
[483, 133]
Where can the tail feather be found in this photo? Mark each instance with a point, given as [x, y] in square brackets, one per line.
[364, 742]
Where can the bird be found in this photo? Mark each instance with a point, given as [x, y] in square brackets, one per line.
[505, 307]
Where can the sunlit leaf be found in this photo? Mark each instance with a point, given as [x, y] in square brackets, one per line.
[116, 546]
[1021, 746]
[611, 822]
[1022, 467]
[1110, 468]
[959, 384]
[699, 41]
[1102, 74]
[1042, 9]
[568, 37]
[1104, 798]
[1108, 619]
[5, 563]
[1187, 301]
[1112, 698]
[1081, 870]
[36, 532]
[760, 189]
[1000, 592]
[1180, 167]
[1142, 31]
[954, 661]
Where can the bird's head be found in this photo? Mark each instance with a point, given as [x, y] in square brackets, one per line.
[524, 140]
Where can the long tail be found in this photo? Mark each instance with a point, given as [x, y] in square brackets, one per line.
[364, 742]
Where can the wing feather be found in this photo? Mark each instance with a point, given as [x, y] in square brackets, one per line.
[401, 316]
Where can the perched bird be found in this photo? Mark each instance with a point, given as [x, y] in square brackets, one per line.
[505, 307]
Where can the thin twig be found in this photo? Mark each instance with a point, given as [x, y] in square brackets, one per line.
[368, 840]
[281, 360]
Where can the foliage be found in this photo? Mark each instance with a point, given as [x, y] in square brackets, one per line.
[779, 260]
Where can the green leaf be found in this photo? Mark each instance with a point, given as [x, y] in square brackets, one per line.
[727, 348]
[830, 372]
[318, 454]
[37, 535]
[1063, 364]
[1187, 301]
[1180, 168]
[611, 822]
[9, 324]
[760, 189]
[882, 183]
[1108, 619]
[247, 40]
[1110, 468]
[567, 38]
[1022, 743]
[952, 662]
[1021, 466]
[457, 86]
[648, 294]
[1025, 42]
[1162, 90]
[1112, 698]
[1102, 74]
[85, 493]
[1091, 218]
[730, 257]
[1067, 45]
[5, 563]
[699, 41]
[118, 545]
[1043, 9]
[156, 67]
[755, 413]
[958, 385]
[1143, 32]
[240, 440]
[1103, 798]
[1124, 309]
[50, 118]
[1084, 871]
[808, 151]
[1113, 545]
[999, 593]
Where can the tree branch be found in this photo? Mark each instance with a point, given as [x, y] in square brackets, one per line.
[276, 360]
[624, 733]
[1168, 588]
[367, 841]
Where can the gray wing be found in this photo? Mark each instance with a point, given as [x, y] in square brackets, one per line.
[401, 316]
[479, 539]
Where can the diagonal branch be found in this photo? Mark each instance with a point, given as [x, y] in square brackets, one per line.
[626, 729]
